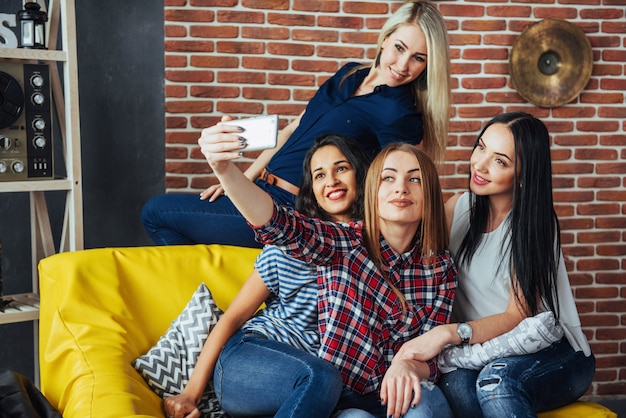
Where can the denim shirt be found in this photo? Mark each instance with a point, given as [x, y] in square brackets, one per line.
[375, 119]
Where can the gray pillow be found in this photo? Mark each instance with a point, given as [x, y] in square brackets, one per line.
[167, 366]
[529, 336]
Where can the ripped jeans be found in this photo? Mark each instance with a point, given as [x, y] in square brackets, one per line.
[520, 386]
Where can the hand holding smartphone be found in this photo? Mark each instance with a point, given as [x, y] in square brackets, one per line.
[259, 132]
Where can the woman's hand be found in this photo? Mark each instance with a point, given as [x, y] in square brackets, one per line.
[429, 344]
[400, 388]
[220, 144]
[212, 192]
[180, 406]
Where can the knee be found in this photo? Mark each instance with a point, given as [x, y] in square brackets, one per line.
[496, 381]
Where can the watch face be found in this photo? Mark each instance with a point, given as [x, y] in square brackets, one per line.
[465, 331]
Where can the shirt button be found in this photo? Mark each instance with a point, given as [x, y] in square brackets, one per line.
[348, 121]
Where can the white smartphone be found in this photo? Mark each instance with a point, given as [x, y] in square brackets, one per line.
[260, 132]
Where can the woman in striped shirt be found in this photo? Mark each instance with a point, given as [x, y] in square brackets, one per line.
[382, 281]
[269, 365]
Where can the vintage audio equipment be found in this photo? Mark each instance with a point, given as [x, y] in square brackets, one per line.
[551, 63]
[26, 151]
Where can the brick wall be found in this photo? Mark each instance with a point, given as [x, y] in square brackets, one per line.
[253, 57]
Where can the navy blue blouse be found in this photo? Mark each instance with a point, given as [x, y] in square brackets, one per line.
[376, 119]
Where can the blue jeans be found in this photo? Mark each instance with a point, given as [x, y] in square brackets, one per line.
[520, 386]
[432, 404]
[175, 219]
[255, 376]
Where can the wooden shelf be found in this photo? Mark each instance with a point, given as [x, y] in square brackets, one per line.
[36, 185]
[63, 66]
[22, 307]
[33, 54]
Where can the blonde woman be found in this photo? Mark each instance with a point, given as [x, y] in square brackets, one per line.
[402, 96]
[381, 282]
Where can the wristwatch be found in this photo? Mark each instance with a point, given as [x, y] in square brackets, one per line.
[465, 332]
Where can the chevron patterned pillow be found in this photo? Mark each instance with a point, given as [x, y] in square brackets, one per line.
[167, 366]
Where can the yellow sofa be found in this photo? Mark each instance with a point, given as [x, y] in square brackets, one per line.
[102, 308]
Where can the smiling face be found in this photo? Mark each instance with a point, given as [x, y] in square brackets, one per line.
[334, 182]
[400, 196]
[404, 56]
[492, 164]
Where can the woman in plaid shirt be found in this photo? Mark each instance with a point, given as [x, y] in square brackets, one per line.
[382, 281]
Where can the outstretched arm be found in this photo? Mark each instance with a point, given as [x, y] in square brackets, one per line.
[243, 306]
[220, 151]
[254, 170]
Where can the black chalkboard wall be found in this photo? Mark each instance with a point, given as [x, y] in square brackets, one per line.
[121, 73]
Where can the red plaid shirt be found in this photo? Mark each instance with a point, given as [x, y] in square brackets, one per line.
[360, 318]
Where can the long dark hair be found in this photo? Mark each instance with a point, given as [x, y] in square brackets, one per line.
[359, 159]
[532, 225]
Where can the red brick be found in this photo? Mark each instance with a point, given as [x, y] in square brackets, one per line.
[266, 4]
[213, 91]
[300, 50]
[175, 31]
[265, 33]
[176, 153]
[462, 10]
[254, 93]
[221, 31]
[484, 83]
[175, 123]
[367, 38]
[214, 61]
[315, 66]
[189, 46]
[290, 19]
[241, 77]
[213, 3]
[175, 91]
[285, 109]
[235, 16]
[175, 61]
[595, 154]
[262, 63]
[483, 25]
[189, 15]
[289, 79]
[555, 13]
[189, 76]
[231, 108]
[343, 22]
[172, 182]
[509, 11]
[327, 6]
[184, 137]
[232, 47]
[315, 35]
[599, 182]
[362, 7]
[188, 106]
[339, 52]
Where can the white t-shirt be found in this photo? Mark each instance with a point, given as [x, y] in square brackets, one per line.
[485, 283]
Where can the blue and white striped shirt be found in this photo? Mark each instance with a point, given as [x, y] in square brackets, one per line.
[290, 315]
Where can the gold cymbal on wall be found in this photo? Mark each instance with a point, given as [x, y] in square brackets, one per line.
[551, 62]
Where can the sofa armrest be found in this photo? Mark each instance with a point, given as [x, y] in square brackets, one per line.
[102, 308]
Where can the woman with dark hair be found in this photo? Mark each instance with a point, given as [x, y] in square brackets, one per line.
[277, 348]
[402, 96]
[381, 281]
[505, 237]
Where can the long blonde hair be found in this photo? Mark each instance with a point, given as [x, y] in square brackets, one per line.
[432, 231]
[432, 88]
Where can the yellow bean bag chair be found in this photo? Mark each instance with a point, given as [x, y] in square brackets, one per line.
[102, 308]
